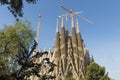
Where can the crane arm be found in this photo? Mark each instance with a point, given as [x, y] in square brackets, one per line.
[70, 11]
[87, 20]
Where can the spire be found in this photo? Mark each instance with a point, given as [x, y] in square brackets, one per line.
[57, 42]
[79, 38]
[77, 25]
[63, 40]
[63, 45]
[38, 30]
[62, 21]
[80, 49]
[57, 38]
[67, 22]
[57, 26]
[74, 44]
[63, 35]
[74, 37]
[56, 54]
[72, 21]
[39, 22]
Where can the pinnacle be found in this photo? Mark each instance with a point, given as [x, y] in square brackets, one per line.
[77, 25]
[57, 26]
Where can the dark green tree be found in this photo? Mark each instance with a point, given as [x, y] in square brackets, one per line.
[16, 6]
[105, 77]
[29, 66]
[96, 72]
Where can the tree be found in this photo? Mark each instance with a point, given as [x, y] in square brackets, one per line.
[16, 6]
[96, 72]
[11, 38]
[29, 66]
[17, 45]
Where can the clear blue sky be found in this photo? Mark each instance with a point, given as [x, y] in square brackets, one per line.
[101, 38]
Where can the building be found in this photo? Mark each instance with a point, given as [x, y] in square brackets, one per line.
[70, 53]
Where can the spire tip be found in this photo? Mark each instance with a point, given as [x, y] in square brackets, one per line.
[77, 25]
[57, 26]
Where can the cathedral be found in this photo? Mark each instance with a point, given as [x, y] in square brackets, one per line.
[69, 52]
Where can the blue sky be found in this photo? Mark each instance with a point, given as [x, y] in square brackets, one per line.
[101, 38]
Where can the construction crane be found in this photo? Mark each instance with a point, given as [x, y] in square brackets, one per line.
[72, 13]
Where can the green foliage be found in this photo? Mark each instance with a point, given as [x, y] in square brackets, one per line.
[96, 72]
[12, 38]
[15, 6]
[16, 59]
[105, 77]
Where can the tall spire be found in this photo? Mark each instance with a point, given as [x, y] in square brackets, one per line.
[57, 48]
[57, 38]
[74, 37]
[72, 20]
[79, 39]
[74, 44]
[38, 30]
[63, 45]
[77, 25]
[80, 50]
[57, 26]
[62, 21]
[67, 22]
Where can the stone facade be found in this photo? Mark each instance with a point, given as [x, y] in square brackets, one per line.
[70, 53]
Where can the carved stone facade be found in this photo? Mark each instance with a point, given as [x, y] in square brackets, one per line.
[70, 53]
